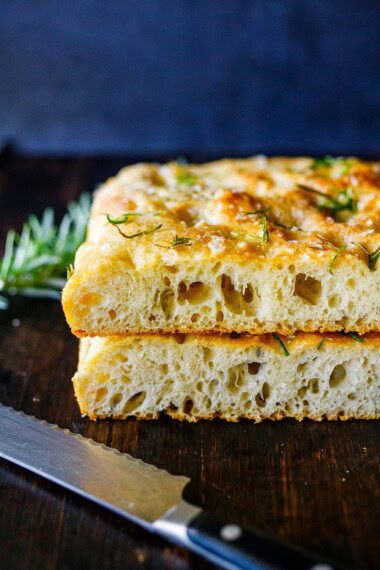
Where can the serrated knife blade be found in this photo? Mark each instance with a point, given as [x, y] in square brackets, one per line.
[133, 489]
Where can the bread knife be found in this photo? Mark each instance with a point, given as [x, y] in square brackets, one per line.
[146, 495]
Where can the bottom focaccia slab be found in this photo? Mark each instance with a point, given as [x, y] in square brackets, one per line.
[193, 377]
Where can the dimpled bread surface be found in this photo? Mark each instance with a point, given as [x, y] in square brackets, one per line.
[208, 264]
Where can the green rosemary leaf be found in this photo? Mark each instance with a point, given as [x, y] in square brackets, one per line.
[262, 211]
[356, 337]
[329, 162]
[334, 258]
[185, 177]
[323, 162]
[342, 201]
[284, 349]
[372, 257]
[124, 218]
[321, 342]
[35, 262]
[137, 234]
[265, 234]
[180, 241]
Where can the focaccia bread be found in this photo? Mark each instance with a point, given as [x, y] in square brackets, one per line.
[255, 245]
[192, 377]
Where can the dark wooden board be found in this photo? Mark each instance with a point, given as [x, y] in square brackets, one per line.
[311, 484]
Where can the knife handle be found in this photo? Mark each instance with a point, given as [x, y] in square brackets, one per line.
[245, 549]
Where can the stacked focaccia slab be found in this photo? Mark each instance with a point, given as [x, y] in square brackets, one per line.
[239, 288]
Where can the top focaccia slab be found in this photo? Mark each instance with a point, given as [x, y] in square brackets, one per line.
[254, 245]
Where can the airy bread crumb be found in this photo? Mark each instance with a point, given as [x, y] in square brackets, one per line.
[193, 377]
[202, 260]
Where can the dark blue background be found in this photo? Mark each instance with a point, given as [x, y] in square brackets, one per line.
[202, 76]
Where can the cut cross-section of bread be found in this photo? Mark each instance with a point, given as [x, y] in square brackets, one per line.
[256, 245]
[192, 377]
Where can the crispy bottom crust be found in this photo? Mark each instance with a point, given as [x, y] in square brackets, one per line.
[274, 417]
[264, 329]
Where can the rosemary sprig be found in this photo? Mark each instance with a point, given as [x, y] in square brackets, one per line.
[342, 201]
[180, 241]
[356, 337]
[124, 218]
[329, 162]
[334, 258]
[284, 349]
[265, 234]
[137, 234]
[262, 211]
[372, 257]
[35, 262]
[321, 342]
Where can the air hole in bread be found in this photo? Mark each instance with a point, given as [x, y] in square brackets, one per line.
[179, 338]
[333, 301]
[112, 314]
[254, 367]
[351, 396]
[265, 391]
[231, 383]
[234, 299]
[134, 402]
[259, 400]
[195, 293]
[188, 406]
[248, 294]
[307, 288]
[116, 399]
[314, 385]
[101, 393]
[166, 280]
[166, 300]
[207, 353]
[219, 317]
[90, 299]
[337, 375]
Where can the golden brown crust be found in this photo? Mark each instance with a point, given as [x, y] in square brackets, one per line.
[209, 206]
[258, 330]
[274, 417]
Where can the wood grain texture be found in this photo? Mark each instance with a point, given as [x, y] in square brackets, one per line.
[311, 484]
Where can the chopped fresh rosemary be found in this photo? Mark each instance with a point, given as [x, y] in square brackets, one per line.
[329, 162]
[320, 344]
[323, 162]
[180, 241]
[284, 349]
[334, 258]
[124, 218]
[262, 211]
[372, 257]
[342, 201]
[137, 234]
[35, 262]
[356, 337]
[265, 234]
[185, 177]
